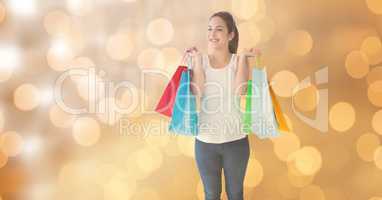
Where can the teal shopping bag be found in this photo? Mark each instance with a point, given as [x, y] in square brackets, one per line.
[184, 119]
[264, 123]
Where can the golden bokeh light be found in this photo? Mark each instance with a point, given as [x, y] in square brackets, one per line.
[307, 160]
[79, 8]
[160, 31]
[312, 192]
[377, 157]
[284, 82]
[375, 198]
[244, 9]
[11, 59]
[3, 159]
[375, 74]
[357, 64]
[59, 117]
[283, 186]
[254, 174]
[267, 29]
[342, 116]
[366, 145]
[2, 12]
[107, 111]
[171, 58]
[57, 23]
[374, 93]
[376, 122]
[159, 140]
[285, 145]
[375, 6]
[151, 58]
[149, 159]
[60, 55]
[120, 46]
[299, 42]
[147, 193]
[26, 97]
[88, 89]
[128, 102]
[11, 143]
[86, 131]
[250, 35]
[186, 145]
[306, 99]
[119, 188]
[299, 180]
[372, 47]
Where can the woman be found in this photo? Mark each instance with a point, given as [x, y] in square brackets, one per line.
[217, 79]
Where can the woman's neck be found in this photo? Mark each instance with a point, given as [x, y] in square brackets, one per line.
[219, 59]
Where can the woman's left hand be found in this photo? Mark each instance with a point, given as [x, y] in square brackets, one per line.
[247, 56]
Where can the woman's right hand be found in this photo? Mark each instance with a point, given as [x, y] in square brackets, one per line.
[195, 54]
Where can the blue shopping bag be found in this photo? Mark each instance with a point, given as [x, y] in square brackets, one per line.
[264, 123]
[184, 119]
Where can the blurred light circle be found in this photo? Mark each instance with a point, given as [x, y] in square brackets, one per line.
[60, 118]
[376, 122]
[79, 8]
[285, 144]
[119, 188]
[283, 186]
[342, 116]
[372, 47]
[378, 157]
[374, 93]
[22, 8]
[375, 74]
[171, 58]
[244, 9]
[10, 59]
[107, 111]
[119, 46]
[128, 105]
[357, 64]
[299, 180]
[89, 87]
[3, 160]
[147, 193]
[149, 159]
[160, 31]
[254, 174]
[375, 6]
[186, 146]
[283, 83]
[11, 143]
[26, 97]
[299, 42]
[2, 12]
[60, 55]
[267, 29]
[366, 145]
[57, 23]
[249, 35]
[86, 131]
[307, 160]
[151, 58]
[312, 192]
[306, 99]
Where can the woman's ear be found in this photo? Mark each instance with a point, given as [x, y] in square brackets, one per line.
[231, 35]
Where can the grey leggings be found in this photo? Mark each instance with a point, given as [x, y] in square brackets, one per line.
[232, 157]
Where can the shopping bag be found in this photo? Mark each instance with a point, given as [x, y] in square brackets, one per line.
[281, 122]
[247, 119]
[166, 102]
[184, 119]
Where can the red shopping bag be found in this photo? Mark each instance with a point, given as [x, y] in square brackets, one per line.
[166, 103]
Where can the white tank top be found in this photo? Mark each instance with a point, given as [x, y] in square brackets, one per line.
[220, 119]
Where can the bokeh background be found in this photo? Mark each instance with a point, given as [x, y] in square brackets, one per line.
[47, 153]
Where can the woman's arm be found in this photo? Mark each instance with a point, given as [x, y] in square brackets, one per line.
[243, 69]
[197, 72]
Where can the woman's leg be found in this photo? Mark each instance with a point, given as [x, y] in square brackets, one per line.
[209, 163]
[235, 160]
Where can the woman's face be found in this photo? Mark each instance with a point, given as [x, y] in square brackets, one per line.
[217, 34]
